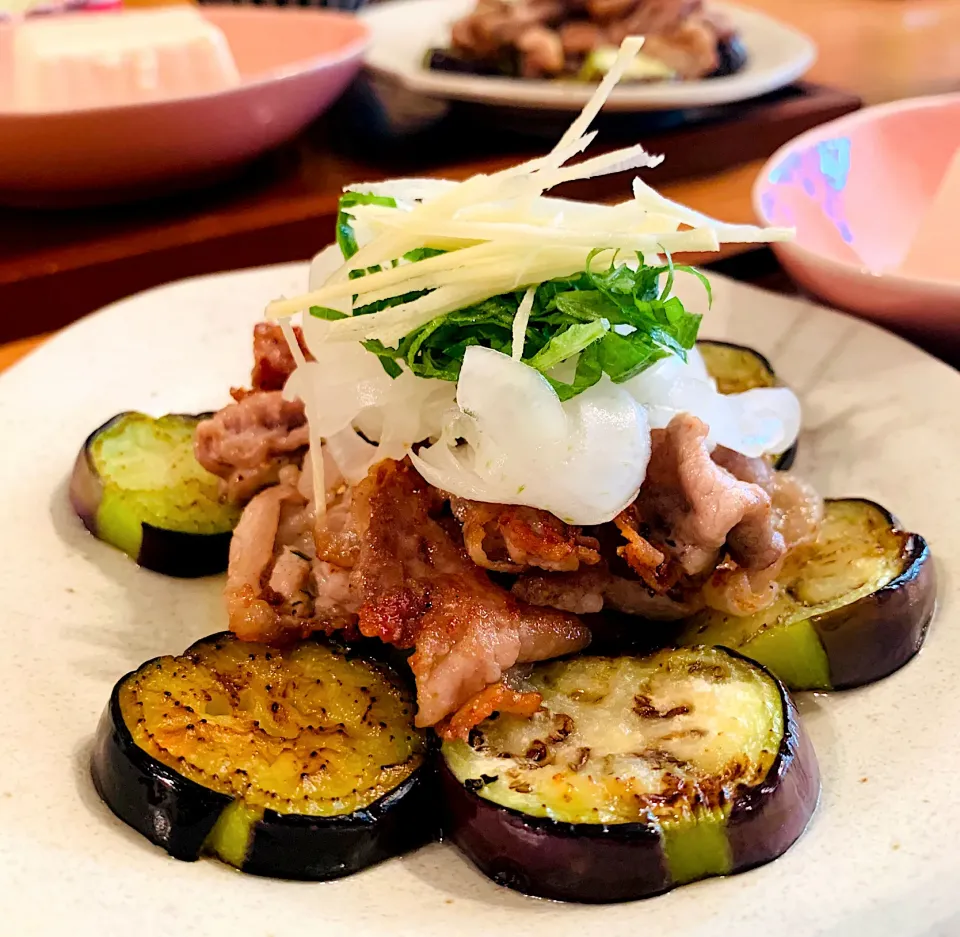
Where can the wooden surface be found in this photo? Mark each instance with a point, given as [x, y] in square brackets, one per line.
[14, 351]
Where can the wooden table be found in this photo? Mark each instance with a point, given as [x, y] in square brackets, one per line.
[880, 50]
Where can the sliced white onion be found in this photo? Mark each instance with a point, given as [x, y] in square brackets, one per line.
[344, 380]
[513, 442]
[323, 266]
[351, 454]
[347, 390]
[765, 420]
[507, 400]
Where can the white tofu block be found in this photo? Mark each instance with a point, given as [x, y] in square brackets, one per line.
[104, 59]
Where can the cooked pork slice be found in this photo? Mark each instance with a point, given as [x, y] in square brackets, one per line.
[494, 25]
[643, 17]
[755, 471]
[719, 22]
[541, 52]
[580, 37]
[272, 360]
[596, 588]
[607, 11]
[688, 47]
[252, 556]
[419, 588]
[694, 506]
[509, 538]
[276, 589]
[496, 698]
[690, 50]
[797, 511]
[248, 442]
[650, 564]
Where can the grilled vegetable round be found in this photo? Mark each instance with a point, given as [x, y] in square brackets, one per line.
[733, 57]
[853, 607]
[137, 485]
[736, 369]
[637, 774]
[302, 763]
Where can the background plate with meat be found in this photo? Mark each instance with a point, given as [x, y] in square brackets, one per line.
[404, 30]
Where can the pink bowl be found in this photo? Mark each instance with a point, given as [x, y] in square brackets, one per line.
[293, 64]
[856, 189]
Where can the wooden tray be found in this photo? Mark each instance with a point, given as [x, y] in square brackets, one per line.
[694, 142]
[58, 266]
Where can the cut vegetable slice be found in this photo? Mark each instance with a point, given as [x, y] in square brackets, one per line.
[736, 369]
[853, 607]
[300, 763]
[642, 68]
[137, 485]
[636, 775]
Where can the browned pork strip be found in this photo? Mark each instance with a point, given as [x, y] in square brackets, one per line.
[272, 360]
[419, 588]
[580, 37]
[541, 52]
[694, 506]
[797, 508]
[496, 698]
[553, 37]
[248, 442]
[593, 589]
[797, 511]
[644, 17]
[252, 614]
[276, 589]
[649, 563]
[496, 24]
[509, 538]
[690, 49]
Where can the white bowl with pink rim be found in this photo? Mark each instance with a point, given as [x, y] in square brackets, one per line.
[875, 199]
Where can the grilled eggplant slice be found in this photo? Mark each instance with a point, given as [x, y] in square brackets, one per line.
[637, 774]
[137, 485]
[736, 369]
[853, 607]
[300, 763]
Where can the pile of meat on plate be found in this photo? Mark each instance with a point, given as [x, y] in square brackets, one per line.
[475, 589]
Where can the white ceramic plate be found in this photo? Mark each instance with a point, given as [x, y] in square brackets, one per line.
[880, 857]
[403, 31]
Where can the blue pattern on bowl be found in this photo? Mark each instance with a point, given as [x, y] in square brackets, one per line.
[820, 172]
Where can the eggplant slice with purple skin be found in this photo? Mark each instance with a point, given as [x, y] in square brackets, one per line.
[137, 485]
[853, 607]
[638, 774]
[298, 763]
[736, 369]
